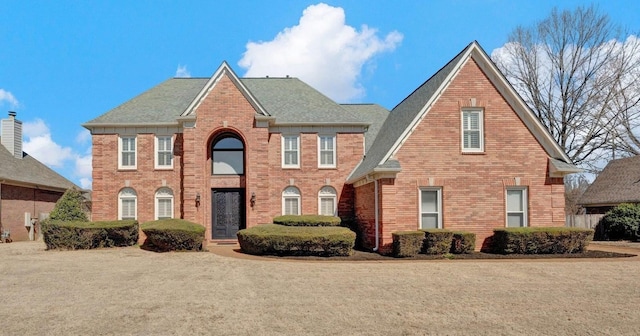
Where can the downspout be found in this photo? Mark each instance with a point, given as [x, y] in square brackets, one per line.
[377, 220]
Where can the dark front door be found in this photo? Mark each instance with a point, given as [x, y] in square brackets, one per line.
[227, 212]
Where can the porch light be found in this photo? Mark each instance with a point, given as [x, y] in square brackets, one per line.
[197, 199]
[253, 199]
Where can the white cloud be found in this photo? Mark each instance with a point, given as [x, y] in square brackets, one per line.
[182, 71]
[6, 96]
[39, 144]
[321, 50]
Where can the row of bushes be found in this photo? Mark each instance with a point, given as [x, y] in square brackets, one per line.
[621, 222]
[307, 220]
[162, 235]
[537, 240]
[76, 235]
[433, 241]
[276, 239]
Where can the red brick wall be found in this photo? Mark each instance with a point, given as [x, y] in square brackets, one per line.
[18, 200]
[108, 180]
[473, 185]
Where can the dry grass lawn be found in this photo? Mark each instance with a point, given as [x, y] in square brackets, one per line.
[128, 291]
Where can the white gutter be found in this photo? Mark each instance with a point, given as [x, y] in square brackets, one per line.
[375, 183]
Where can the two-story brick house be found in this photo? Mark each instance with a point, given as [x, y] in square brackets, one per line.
[462, 152]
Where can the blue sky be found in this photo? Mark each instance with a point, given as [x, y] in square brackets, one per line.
[63, 63]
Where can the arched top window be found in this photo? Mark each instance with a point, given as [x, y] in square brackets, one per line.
[127, 201]
[227, 155]
[327, 197]
[164, 203]
[291, 201]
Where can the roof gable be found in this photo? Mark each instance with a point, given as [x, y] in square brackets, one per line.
[223, 70]
[619, 182]
[405, 117]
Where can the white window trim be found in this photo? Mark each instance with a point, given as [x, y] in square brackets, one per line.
[297, 197]
[157, 147]
[135, 155]
[291, 166]
[333, 139]
[135, 202]
[525, 206]
[333, 196]
[439, 199]
[163, 196]
[480, 126]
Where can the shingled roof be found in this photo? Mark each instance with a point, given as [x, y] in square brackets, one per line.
[619, 182]
[29, 171]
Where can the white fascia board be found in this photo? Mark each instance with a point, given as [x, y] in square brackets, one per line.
[215, 78]
[518, 104]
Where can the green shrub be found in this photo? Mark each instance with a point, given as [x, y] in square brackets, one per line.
[307, 220]
[77, 235]
[463, 242]
[69, 207]
[436, 241]
[173, 235]
[541, 240]
[407, 243]
[621, 222]
[274, 239]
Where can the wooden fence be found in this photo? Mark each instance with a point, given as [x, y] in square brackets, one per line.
[583, 221]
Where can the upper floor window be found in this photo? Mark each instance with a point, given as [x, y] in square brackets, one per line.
[127, 152]
[290, 151]
[472, 131]
[431, 208]
[164, 203]
[164, 152]
[326, 151]
[127, 204]
[327, 201]
[227, 155]
[291, 201]
[517, 207]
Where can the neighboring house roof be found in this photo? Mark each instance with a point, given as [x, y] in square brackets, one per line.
[406, 116]
[373, 114]
[29, 171]
[619, 182]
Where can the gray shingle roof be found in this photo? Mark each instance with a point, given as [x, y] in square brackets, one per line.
[401, 117]
[619, 182]
[373, 114]
[291, 100]
[30, 171]
[160, 104]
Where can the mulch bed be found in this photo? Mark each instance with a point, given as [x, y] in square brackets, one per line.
[370, 256]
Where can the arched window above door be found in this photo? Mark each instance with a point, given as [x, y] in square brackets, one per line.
[227, 155]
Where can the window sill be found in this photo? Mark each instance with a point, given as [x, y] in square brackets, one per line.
[121, 169]
[473, 153]
[163, 168]
[328, 167]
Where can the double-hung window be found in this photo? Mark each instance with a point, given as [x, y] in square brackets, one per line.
[127, 201]
[164, 203]
[291, 201]
[327, 201]
[472, 131]
[164, 152]
[430, 208]
[290, 151]
[517, 207]
[127, 152]
[326, 151]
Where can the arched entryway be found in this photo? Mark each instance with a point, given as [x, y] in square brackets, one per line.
[227, 168]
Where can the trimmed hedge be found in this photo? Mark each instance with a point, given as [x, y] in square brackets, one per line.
[463, 242]
[436, 241]
[77, 235]
[307, 220]
[621, 222]
[407, 243]
[173, 235]
[274, 239]
[540, 240]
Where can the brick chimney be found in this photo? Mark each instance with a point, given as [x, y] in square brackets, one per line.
[11, 135]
